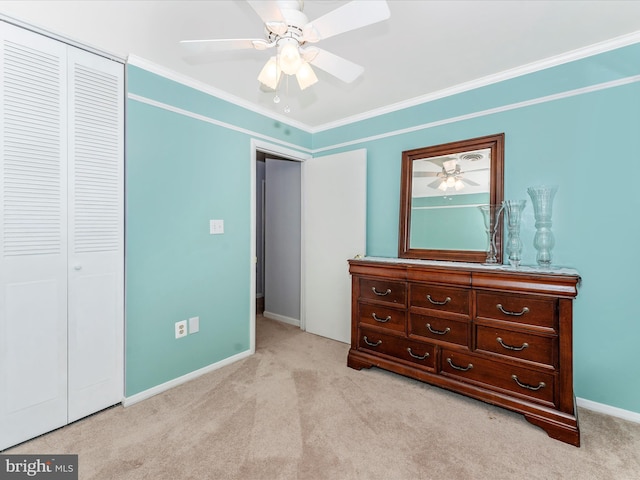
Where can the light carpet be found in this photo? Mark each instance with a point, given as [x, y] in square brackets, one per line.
[294, 410]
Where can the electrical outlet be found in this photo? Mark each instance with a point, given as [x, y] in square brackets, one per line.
[181, 329]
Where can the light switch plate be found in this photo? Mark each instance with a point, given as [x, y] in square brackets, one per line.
[194, 324]
[216, 227]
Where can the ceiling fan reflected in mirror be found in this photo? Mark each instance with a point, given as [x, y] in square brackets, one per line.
[451, 174]
[289, 31]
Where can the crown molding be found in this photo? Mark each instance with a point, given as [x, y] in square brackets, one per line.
[567, 57]
[61, 38]
[203, 87]
[573, 55]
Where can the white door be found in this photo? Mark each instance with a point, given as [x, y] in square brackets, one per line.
[61, 234]
[334, 222]
[96, 243]
[33, 235]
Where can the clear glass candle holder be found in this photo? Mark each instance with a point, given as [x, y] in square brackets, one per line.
[513, 215]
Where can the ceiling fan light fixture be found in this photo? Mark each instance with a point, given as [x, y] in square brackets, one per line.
[443, 186]
[270, 74]
[306, 76]
[289, 56]
[459, 185]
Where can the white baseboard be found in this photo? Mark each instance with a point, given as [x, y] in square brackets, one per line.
[608, 410]
[138, 397]
[281, 318]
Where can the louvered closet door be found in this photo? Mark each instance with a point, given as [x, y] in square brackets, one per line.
[96, 252]
[33, 231]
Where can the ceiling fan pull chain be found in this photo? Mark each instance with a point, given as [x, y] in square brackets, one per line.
[287, 109]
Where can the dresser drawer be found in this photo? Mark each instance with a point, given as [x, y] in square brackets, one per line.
[415, 352]
[382, 290]
[435, 297]
[526, 309]
[382, 316]
[533, 384]
[440, 329]
[520, 345]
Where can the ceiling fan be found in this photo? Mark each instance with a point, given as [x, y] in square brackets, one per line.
[451, 175]
[289, 30]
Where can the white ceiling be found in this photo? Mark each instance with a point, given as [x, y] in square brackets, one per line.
[424, 48]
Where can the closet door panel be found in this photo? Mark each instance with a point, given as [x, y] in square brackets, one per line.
[33, 230]
[96, 241]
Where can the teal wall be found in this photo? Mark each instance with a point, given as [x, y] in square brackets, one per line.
[587, 143]
[181, 172]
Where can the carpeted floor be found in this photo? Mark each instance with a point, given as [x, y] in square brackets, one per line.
[295, 411]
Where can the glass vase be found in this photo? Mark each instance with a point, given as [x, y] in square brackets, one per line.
[491, 216]
[542, 201]
[513, 215]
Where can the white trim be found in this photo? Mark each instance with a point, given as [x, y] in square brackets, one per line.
[208, 89]
[128, 401]
[490, 111]
[204, 118]
[61, 38]
[281, 318]
[608, 410]
[567, 57]
[253, 253]
[163, 387]
[280, 151]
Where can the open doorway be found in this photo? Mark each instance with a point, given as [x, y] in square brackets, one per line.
[278, 237]
[262, 149]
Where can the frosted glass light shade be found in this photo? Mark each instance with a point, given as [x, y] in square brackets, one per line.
[270, 74]
[306, 76]
[290, 60]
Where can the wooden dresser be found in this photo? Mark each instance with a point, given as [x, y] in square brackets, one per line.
[493, 333]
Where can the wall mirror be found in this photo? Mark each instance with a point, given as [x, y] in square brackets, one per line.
[441, 190]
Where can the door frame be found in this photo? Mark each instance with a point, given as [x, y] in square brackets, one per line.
[289, 154]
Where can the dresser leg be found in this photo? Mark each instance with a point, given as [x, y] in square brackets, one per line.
[356, 363]
[567, 433]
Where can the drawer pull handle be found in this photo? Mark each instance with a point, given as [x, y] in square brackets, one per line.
[438, 332]
[381, 320]
[371, 344]
[528, 387]
[462, 369]
[417, 356]
[436, 302]
[509, 347]
[515, 314]
[381, 294]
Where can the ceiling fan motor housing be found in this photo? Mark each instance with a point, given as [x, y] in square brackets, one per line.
[295, 21]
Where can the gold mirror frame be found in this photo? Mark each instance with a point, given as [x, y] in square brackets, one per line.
[496, 193]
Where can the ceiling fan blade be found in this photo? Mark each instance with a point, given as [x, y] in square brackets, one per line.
[268, 10]
[355, 14]
[197, 47]
[426, 174]
[435, 184]
[271, 15]
[339, 67]
[470, 182]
